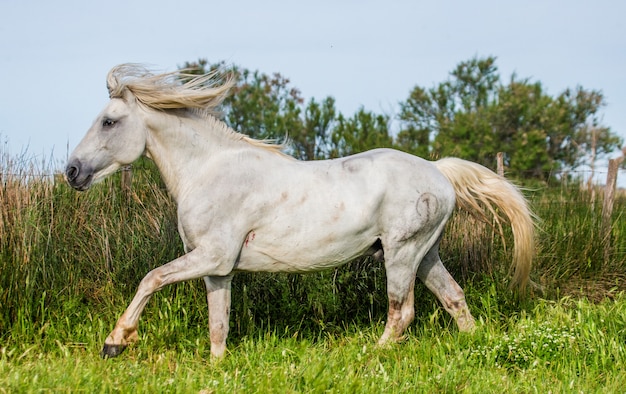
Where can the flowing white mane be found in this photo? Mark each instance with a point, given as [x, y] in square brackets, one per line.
[172, 90]
[180, 89]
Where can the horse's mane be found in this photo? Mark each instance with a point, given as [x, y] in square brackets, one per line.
[201, 94]
[171, 90]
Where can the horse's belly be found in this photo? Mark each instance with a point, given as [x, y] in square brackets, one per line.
[291, 255]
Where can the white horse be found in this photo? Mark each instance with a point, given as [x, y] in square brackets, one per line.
[245, 206]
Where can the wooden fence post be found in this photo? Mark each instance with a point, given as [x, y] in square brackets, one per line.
[127, 176]
[609, 199]
[500, 161]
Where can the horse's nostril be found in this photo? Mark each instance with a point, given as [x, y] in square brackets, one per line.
[79, 176]
[71, 172]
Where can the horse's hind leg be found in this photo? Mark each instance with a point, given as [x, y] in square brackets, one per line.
[438, 280]
[401, 267]
[401, 306]
[414, 235]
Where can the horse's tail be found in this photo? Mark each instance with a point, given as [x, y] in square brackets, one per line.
[475, 185]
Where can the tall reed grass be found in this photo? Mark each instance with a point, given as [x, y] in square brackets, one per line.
[64, 253]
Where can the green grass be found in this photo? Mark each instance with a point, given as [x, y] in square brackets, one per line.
[565, 346]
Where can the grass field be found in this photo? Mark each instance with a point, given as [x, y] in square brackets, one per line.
[566, 346]
[70, 263]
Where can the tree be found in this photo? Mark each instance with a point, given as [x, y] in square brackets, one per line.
[523, 118]
[264, 107]
[313, 142]
[365, 130]
[419, 119]
[474, 116]
[589, 136]
[451, 119]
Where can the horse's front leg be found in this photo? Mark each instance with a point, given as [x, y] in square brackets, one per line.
[193, 265]
[218, 298]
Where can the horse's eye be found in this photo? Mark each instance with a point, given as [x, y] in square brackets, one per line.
[108, 123]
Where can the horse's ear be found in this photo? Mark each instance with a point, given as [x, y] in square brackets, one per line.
[113, 83]
[116, 92]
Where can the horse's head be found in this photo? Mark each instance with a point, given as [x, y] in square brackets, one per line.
[119, 135]
[116, 138]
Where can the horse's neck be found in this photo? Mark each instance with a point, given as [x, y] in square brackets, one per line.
[180, 146]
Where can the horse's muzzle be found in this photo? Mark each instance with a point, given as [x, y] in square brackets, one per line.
[77, 175]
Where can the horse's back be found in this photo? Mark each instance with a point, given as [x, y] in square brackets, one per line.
[402, 175]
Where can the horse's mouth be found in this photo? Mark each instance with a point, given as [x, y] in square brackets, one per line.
[85, 185]
[81, 186]
[77, 176]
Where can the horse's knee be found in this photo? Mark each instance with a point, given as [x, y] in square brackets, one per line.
[152, 282]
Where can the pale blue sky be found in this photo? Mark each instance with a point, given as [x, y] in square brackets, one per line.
[54, 55]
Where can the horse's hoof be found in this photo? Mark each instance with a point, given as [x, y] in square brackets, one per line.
[110, 351]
